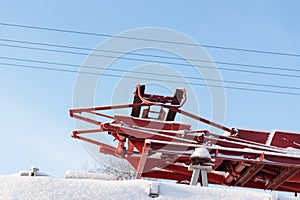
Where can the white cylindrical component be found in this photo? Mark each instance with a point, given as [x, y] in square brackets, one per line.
[195, 177]
[204, 180]
[33, 170]
[200, 155]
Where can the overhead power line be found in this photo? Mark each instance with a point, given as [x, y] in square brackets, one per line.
[151, 55]
[148, 73]
[154, 61]
[150, 79]
[148, 39]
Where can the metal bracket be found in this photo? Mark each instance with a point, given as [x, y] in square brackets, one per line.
[153, 189]
[197, 169]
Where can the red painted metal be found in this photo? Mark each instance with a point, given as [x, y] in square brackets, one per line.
[161, 147]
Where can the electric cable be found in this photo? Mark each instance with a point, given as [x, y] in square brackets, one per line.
[154, 61]
[148, 39]
[151, 79]
[150, 55]
[148, 73]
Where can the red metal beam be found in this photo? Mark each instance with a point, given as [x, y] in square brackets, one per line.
[201, 119]
[284, 175]
[108, 107]
[86, 119]
[143, 160]
[248, 174]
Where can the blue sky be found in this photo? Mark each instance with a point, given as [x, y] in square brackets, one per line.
[35, 125]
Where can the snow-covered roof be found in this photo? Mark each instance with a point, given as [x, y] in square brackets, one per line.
[27, 188]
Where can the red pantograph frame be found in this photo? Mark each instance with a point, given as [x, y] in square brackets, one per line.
[161, 148]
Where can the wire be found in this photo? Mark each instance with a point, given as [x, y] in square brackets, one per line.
[149, 40]
[155, 61]
[151, 79]
[150, 55]
[149, 73]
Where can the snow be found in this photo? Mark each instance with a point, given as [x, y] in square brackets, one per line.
[27, 188]
[270, 138]
[201, 155]
[292, 150]
[88, 175]
[227, 134]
